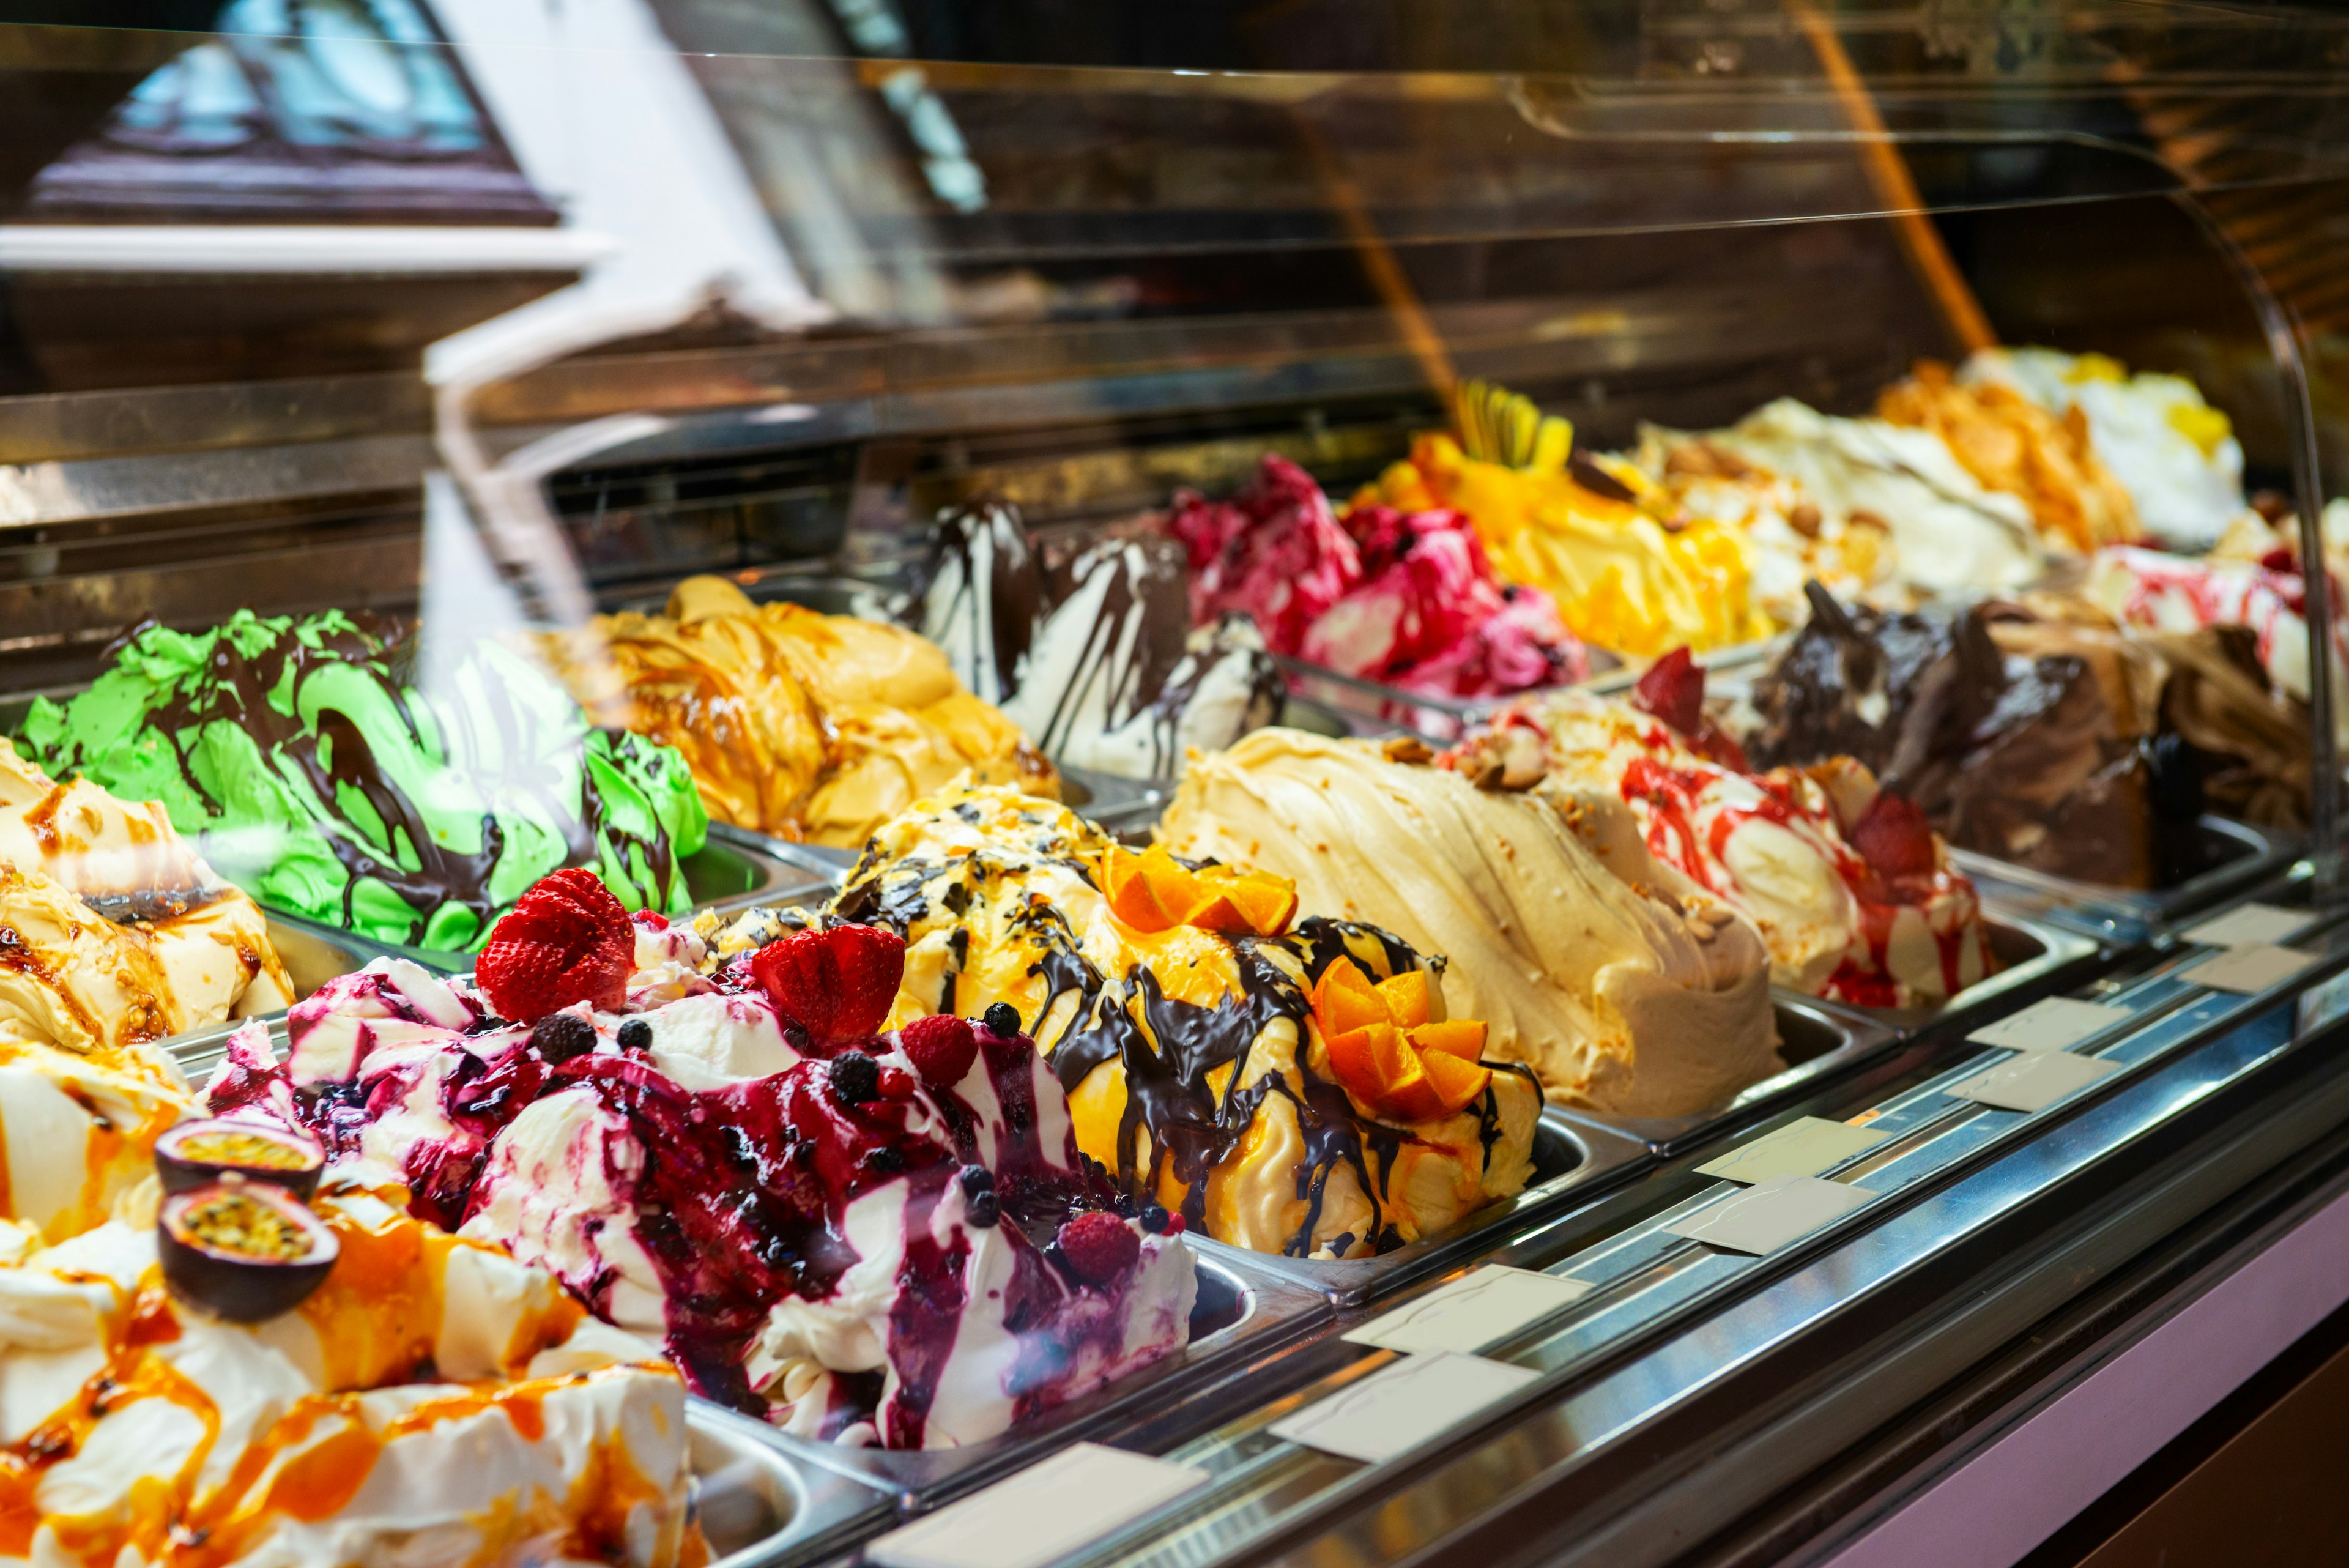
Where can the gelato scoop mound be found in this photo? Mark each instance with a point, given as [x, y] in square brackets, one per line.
[822, 1232]
[1624, 985]
[1181, 1007]
[316, 772]
[805, 725]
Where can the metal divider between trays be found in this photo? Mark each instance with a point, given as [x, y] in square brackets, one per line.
[1650, 1286]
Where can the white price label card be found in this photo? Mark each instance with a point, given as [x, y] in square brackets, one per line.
[2033, 1082]
[1044, 1512]
[2250, 923]
[1479, 1307]
[1804, 1147]
[1770, 1214]
[1402, 1406]
[2051, 1023]
[2250, 969]
[2323, 1002]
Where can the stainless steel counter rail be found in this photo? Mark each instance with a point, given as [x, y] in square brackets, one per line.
[1669, 1318]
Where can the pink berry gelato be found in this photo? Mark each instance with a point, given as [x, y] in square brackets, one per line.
[1408, 600]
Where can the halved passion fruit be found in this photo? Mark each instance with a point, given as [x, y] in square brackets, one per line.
[244, 1250]
[198, 1153]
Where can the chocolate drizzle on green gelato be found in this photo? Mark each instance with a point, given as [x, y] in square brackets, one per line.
[322, 779]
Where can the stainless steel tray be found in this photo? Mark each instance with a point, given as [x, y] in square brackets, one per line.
[1574, 1155]
[2221, 857]
[1818, 1039]
[759, 1508]
[2034, 956]
[313, 954]
[1245, 1313]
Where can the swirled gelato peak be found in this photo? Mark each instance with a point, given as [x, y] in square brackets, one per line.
[1210, 1063]
[870, 1238]
[310, 767]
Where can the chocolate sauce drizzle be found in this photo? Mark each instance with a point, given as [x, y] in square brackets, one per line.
[1171, 1050]
[1143, 614]
[1167, 1048]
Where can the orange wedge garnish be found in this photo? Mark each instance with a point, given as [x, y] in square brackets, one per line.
[1385, 1055]
[1461, 1038]
[1153, 891]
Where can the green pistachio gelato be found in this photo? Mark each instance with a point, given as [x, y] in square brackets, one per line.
[321, 780]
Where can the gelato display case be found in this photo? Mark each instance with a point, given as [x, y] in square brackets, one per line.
[1012, 787]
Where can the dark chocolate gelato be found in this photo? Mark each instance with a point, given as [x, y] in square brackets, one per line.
[2028, 731]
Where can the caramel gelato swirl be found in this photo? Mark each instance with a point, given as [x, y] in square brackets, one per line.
[808, 726]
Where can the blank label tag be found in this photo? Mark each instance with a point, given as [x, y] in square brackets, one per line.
[1770, 1214]
[2033, 1081]
[2323, 1002]
[2250, 923]
[1400, 1407]
[2250, 969]
[2051, 1023]
[1472, 1311]
[1804, 1147]
[1045, 1512]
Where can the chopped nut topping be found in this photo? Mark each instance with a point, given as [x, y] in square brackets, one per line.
[1804, 519]
[1406, 749]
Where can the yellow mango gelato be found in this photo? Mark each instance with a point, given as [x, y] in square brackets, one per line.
[1198, 1057]
[1635, 578]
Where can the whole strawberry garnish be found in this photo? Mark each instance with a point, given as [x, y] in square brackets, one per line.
[567, 940]
[942, 1048]
[1099, 1247]
[1674, 690]
[837, 983]
[1893, 837]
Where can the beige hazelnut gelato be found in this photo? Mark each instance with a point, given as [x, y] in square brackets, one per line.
[1627, 988]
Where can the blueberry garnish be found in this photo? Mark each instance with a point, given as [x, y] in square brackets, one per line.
[982, 1211]
[1002, 1020]
[560, 1036]
[855, 1078]
[636, 1034]
[888, 1159]
[975, 1179]
[1154, 1219]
